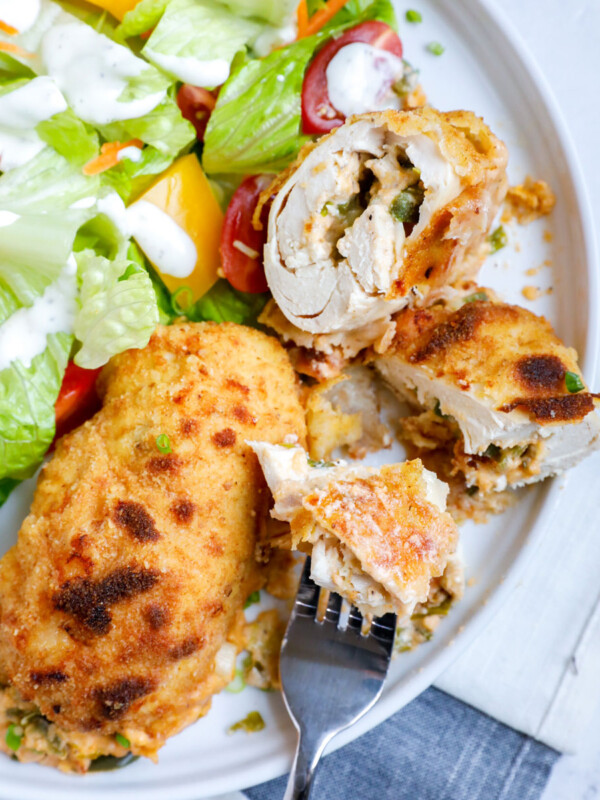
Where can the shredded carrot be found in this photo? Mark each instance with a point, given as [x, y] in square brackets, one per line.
[147, 34]
[302, 17]
[109, 156]
[322, 17]
[4, 26]
[9, 47]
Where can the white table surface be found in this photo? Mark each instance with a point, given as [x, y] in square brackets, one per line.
[564, 37]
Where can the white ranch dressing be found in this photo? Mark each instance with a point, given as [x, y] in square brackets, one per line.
[20, 111]
[170, 249]
[93, 72]
[131, 153]
[360, 78]
[20, 14]
[18, 148]
[23, 334]
[198, 72]
[113, 207]
[165, 243]
[271, 38]
[85, 202]
[34, 102]
[7, 218]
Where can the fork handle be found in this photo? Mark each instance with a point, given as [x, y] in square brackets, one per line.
[308, 753]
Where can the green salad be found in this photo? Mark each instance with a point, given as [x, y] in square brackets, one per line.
[125, 129]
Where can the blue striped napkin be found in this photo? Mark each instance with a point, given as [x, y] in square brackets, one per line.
[436, 748]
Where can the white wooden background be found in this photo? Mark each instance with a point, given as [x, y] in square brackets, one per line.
[538, 663]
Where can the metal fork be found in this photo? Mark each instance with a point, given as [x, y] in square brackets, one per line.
[330, 676]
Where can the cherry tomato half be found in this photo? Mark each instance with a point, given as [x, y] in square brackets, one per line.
[242, 245]
[77, 399]
[318, 115]
[196, 105]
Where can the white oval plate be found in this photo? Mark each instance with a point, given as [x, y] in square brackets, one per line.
[484, 68]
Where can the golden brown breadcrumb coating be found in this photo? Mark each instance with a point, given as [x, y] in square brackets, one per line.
[400, 538]
[500, 350]
[134, 563]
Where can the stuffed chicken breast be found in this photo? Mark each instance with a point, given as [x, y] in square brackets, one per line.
[495, 388]
[120, 604]
[380, 213]
[378, 537]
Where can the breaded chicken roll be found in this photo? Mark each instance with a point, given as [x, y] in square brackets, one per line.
[121, 601]
[378, 537]
[496, 388]
[380, 213]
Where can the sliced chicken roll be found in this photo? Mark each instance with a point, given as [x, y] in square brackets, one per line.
[379, 537]
[495, 388]
[379, 213]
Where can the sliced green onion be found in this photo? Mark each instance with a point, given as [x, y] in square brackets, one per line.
[405, 206]
[440, 610]
[414, 16]
[163, 443]
[498, 239]
[320, 463]
[251, 724]
[122, 740]
[512, 452]
[574, 382]
[493, 451]
[471, 298]
[252, 598]
[247, 663]
[238, 684]
[435, 48]
[325, 209]
[14, 737]
[177, 307]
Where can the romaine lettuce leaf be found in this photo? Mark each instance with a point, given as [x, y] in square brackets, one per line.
[100, 20]
[166, 312]
[196, 40]
[118, 308]
[223, 303]
[11, 69]
[6, 487]
[33, 251]
[70, 136]
[131, 178]
[142, 18]
[256, 125]
[164, 128]
[27, 397]
[47, 183]
[353, 9]
[101, 235]
[275, 12]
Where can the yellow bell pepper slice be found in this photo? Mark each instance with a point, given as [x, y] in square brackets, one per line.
[118, 8]
[183, 192]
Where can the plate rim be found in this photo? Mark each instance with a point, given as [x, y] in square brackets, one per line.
[547, 501]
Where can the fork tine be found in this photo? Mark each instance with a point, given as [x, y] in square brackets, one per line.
[307, 599]
[332, 614]
[355, 620]
[384, 629]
